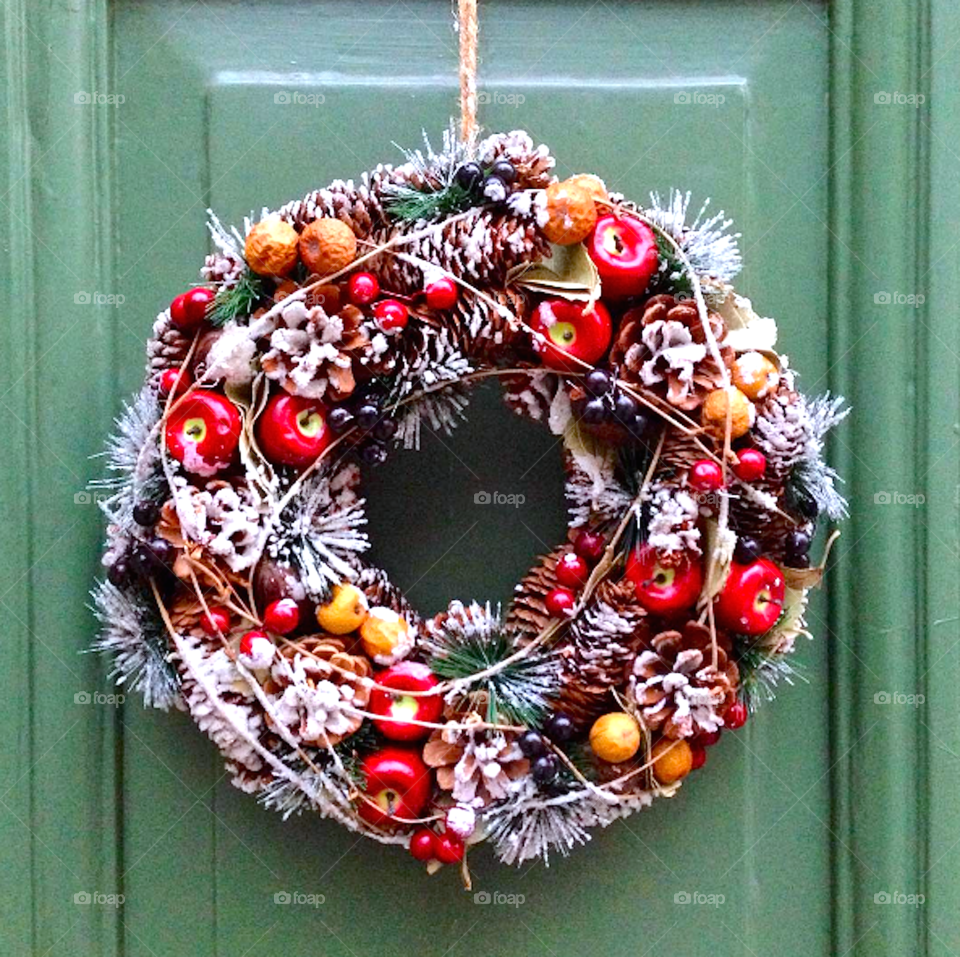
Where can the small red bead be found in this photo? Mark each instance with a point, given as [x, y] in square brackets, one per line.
[708, 738]
[736, 716]
[448, 848]
[422, 844]
[698, 755]
[391, 315]
[217, 622]
[751, 465]
[189, 309]
[706, 476]
[572, 571]
[590, 545]
[246, 642]
[176, 381]
[363, 288]
[441, 294]
[282, 616]
[559, 602]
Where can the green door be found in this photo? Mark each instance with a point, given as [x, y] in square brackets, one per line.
[799, 821]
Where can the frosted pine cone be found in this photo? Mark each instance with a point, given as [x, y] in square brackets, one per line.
[527, 613]
[530, 394]
[676, 687]
[167, 348]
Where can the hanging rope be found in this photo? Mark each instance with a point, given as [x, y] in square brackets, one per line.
[467, 27]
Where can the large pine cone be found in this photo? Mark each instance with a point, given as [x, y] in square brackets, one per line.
[527, 614]
[599, 650]
[167, 348]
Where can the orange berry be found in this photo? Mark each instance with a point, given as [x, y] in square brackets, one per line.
[384, 634]
[327, 246]
[713, 415]
[592, 184]
[345, 612]
[672, 760]
[615, 737]
[755, 375]
[271, 247]
[571, 214]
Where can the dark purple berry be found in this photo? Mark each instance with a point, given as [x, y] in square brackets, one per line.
[798, 543]
[505, 170]
[373, 453]
[545, 768]
[495, 189]
[385, 429]
[797, 561]
[146, 513]
[597, 382]
[625, 408]
[368, 415]
[469, 176]
[118, 574]
[642, 425]
[559, 728]
[531, 744]
[747, 550]
[594, 412]
[340, 419]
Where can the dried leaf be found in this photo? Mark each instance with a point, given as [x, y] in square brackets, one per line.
[571, 274]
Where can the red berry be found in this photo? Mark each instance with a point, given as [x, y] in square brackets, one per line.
[422, 844]
[590, 545]
[216, 621]
[363, 288]
[751, 465]
[699, 755]
[708, 739]
[441, 294]
[246, 642]
[572, 571]
[559, 602]
[706, 476]
[282, 616]
[391, 315]
[448, 848]
[176, 381]
[189, 309]
[736, 716]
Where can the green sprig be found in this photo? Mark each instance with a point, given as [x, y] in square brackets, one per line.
[410, 205]
[236, 301]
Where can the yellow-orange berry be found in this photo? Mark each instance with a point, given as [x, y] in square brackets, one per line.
[327, 246]
[672, 760]
[271, 247]
[592, 184]
[571, 213]
[713, 415]
[345, 612]
[755, 375]
[385, 634]
[615, 737]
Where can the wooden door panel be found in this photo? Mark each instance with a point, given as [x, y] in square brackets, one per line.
[605, 88]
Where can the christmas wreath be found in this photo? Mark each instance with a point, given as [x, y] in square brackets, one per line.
[329, 331]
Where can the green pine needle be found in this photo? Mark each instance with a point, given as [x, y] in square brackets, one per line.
[354, 750]
[519, 693]
[410, 205]
[672, 276]
[236, 301]
[761, 672]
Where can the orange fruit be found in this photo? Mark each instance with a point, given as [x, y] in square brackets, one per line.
[327, 246]
[755, 375]
[271, 247]
[571, 213]
[592, 184]
[384, 633]
[672, 760]
[713, 415]
[615, 737]
[345, 612]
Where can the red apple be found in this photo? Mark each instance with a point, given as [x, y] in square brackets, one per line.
[203, 432]
[292, 430]
[573, 330]
[399, 708]
[625, 253]
[397, 783]
[665, 589]
[752, 598]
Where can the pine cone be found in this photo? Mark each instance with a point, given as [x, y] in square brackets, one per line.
[675, 685]
[599, 650]
[534, 165]
[167, 348]
[527, 614]
[661, 346]
[530, 394]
